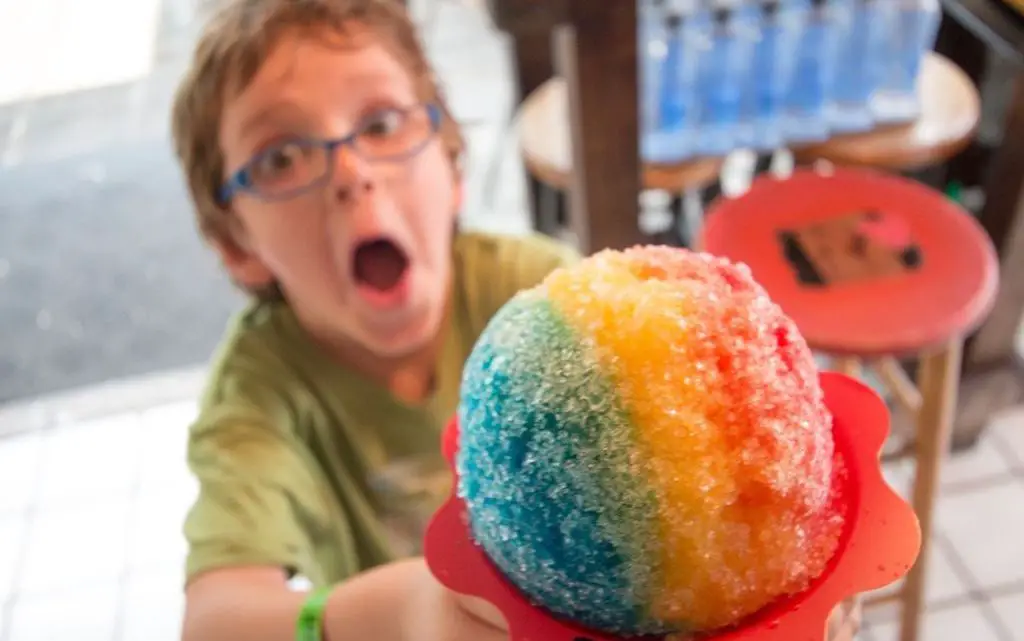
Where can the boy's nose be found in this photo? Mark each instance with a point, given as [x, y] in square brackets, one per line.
[350, 192]
[352, 175]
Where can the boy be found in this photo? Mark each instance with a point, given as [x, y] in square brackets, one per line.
[324, 168]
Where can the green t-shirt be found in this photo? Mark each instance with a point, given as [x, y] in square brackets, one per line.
[304, 464]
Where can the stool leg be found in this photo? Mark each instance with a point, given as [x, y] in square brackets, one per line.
[938, 381]
[535, 197]
[847, 365]
[677, 206]
[550, 211]
[681, 230]
[561, 208]
[763, 163]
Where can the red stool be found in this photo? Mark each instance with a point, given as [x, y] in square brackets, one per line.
[872, 267]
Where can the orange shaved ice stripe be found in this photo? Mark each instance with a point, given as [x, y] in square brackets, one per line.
[728, 422]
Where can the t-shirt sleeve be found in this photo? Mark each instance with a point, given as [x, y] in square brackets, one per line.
[499, 267]
[256, 496]
[527, 261]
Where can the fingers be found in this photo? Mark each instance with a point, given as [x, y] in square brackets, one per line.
[482, 610]
[438, 614]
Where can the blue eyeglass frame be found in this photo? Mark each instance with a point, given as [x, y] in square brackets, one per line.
[241, 180]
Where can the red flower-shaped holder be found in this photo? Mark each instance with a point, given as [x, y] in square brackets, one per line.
[879, 545]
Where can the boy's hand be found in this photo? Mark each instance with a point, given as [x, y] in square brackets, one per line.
[438, 614]
[482, 610]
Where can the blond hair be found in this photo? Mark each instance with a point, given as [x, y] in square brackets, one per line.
[232, 48]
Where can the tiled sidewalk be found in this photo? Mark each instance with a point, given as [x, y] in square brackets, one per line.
[90, 522]
[91, 546]
[976, 583]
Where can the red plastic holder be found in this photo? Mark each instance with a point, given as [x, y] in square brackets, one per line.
[880, 542]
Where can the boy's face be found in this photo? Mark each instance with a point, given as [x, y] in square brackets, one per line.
[364, 256]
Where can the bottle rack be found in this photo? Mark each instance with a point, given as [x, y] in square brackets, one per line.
[720, 75]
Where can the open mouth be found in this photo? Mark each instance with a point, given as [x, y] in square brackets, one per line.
[379, 267]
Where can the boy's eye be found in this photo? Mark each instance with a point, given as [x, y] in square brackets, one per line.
[384, 123]
[281, 159]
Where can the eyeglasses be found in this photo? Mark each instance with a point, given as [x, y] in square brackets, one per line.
[296, 165]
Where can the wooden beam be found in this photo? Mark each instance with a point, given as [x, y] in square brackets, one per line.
[597, 56]
[1003, 219]
[525, 16]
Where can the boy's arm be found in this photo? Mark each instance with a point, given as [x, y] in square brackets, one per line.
[396, 602]
[245, 539]
[255, 603]
[244, 530]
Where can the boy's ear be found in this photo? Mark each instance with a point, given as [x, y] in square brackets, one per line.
[245, 268]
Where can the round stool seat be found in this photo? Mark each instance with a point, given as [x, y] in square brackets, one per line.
[950, 113]
[547, 148]
[866, 264]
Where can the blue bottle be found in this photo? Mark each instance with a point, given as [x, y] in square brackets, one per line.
[915, 24]
[811, 88]
[652, 42]
[676, 110]
[724, 58]
[771, 72]
[862, 27]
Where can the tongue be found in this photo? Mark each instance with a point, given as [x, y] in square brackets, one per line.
[379, 264]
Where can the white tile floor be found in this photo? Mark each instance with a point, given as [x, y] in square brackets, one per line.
[1010, 610]
[90, 527]
[976, 584]
[960, 622]
[91, 512]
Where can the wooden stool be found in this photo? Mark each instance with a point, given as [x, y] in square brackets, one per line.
[844, 622]
[950, 113]
[872, 267]
[547, 151]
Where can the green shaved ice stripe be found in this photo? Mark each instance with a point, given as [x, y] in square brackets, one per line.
[629, 505]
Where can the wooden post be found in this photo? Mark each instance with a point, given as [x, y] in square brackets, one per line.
[992, 376]
[597, 56]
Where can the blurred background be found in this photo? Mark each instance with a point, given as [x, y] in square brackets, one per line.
[110, 305]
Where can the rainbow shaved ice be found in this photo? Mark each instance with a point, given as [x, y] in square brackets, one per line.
[645, 448]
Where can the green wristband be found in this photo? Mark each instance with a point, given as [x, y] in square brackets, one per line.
[310, 626]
